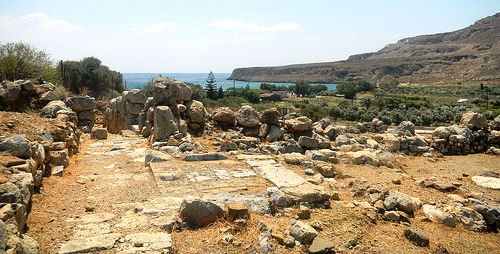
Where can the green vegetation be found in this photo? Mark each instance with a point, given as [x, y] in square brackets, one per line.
[303, 89]
[350, 89]
[272, 87]
[20, 60]
[90, 75]
[210, 87]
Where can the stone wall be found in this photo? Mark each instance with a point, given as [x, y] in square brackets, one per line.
[24, 162]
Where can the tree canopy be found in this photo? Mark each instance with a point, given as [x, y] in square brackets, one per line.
[89, 73]
[20, 60]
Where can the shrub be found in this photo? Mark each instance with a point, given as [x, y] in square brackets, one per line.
[315, 112]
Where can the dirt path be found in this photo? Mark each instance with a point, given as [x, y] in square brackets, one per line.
[109, 200]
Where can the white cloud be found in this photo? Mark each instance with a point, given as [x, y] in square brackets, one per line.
[230, 24]
[163, 28]
[33, 22]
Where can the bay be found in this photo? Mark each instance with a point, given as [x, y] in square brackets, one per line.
[138, 80]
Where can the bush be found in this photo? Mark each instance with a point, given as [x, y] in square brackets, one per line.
[315, 112]
[233, 102]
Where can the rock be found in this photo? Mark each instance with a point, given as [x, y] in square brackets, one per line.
[57, 170]
[59, 158]
[437, 215]
[468, 216]
[307, 192]
[303, 232]
[473, 120]
[331, 131]
[133, 109]
[326, 169]
[275, 133]
[228, 146]
[265, 243]
[321, 245]
[205, 157]
[81, 103]
[316, 155]
[417, 237]
[256, 203]
[270, 116]
[164, 123]
[406, 126]
[391, 216]
[491, 214]
[9, 193]
[444, 187]
[277, 197]
[304, 213]
[299, 124]
[224, 115]
[196, 112]
[16, 145]
[9, 92]
[99, 133]
[309, 171]
[342, 140]
[87, 115]
[247, 117]
[50, 110]
[402, 202]
[134, 96]
[484, 181]
[89, 244]
[237, 211]
[294, 158]
[199, 212]
[155, 156]
[308, 142]
[170, 92]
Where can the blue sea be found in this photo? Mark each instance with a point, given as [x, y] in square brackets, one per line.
[138, 80]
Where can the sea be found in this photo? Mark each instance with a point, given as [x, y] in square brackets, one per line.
[138, 80]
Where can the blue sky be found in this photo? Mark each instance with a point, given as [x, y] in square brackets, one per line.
[220, 35]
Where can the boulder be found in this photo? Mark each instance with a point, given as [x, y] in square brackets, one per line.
[270, 116]
[16, 145]
[307, 192]
[247, 117]
[303, 232]
[170, 92]
[294, 158]
[331, 131]
[278, 197]
[406, 126]
[437, 215]
[417, 237]
[487, 182]
[299, 124]
[134, 96]
[308, 142]
[133, 108]
[237, 211]
[59, 158]
[81, 103]
[99, 133]
[316, 155]
[164, 123]
[9, 92]
[402, 202]
[473, 120]
[50, 110]
[275, 133]
[326, 169]
[196, 112]
[199, 212]
[341, 140]
[224, 115]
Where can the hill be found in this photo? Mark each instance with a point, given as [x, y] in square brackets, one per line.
[468, 55]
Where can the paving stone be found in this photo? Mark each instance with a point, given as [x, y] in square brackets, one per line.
[89, 244]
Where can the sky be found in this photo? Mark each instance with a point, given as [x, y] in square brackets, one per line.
[221, 35]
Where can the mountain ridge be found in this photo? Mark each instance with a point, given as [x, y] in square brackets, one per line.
[467, 55]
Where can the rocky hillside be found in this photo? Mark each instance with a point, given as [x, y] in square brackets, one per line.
[471, 54]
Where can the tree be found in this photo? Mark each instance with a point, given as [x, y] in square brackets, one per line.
[220, 93]
[210, 87]
[20, 60]
[89, 73]
[302, 88]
